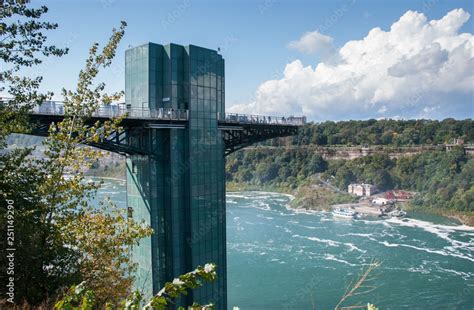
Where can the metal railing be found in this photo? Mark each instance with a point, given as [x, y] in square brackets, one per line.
[120, 109]
[111, 111]
[260, 119]
[158, 114]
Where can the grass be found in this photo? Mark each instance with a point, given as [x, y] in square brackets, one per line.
[315, 197]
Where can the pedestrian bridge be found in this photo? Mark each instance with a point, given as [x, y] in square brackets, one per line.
[161, 114]
[239, 130]
[175, 133]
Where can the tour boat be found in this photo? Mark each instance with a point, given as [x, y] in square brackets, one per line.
[397, 213]
[345, 213]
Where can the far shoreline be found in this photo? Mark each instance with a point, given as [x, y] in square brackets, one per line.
[464, 218]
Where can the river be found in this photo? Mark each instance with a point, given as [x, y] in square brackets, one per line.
[282, 259]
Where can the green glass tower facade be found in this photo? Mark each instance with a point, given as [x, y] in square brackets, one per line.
[180, 190]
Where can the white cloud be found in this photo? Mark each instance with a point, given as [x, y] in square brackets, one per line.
[431, 58]
[430, 109]
[414, 65]
[312, 43]
[382, 110]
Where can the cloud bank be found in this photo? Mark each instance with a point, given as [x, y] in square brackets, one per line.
[418, 68]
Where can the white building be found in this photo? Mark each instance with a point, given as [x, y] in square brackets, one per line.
[370, 190]
[361, 189]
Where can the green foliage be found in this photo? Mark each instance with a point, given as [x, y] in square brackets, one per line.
[319, 197]
[287, 165]
[22, 44]
[369, 169]
[383, 132]
[81, 298]
[267, 172]
[100, 235]
[444, 180]
[181, 285]
[37, 241]
[62, 238]
[78, 297]
[274, 167]
[343, 177]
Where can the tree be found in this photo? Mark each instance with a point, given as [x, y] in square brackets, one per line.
[22, 43]
[383, 180]
[267, 172]
[318, 164]
[344, 177]
[66, 237]
[101, 235]
[284, 173]
[19, 182]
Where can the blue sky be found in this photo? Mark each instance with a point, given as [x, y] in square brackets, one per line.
[254, 37]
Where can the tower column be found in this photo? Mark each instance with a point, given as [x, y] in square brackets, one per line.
[179, 190]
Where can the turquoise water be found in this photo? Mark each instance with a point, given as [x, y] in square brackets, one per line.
[281, 259]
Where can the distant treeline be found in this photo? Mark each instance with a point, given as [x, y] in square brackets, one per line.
[273, 166]
[383, 132]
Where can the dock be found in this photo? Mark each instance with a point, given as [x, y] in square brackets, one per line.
[364, 208]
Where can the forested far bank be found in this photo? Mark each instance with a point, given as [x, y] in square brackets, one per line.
[444, 180]
[382, 132]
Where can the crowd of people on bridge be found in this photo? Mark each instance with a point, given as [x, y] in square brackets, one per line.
[51, 107]
[258, 119]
